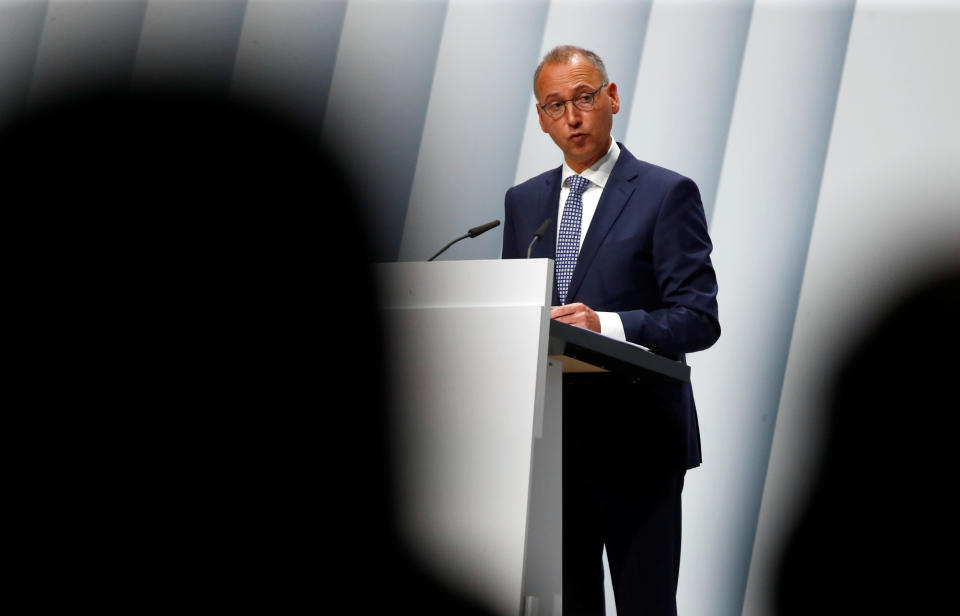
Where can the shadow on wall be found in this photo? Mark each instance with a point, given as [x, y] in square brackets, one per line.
[197, 359]
[882, 520]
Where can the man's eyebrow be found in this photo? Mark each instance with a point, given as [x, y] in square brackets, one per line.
[580, 88]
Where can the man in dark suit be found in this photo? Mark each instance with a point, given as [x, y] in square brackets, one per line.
[632, 262]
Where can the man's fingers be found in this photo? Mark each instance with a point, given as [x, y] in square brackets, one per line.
[577, 314]
[556, 311]
[572, 319]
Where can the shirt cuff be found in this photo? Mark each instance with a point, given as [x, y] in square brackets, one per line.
[611, 325]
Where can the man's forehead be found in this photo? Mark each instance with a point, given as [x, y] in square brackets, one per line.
[557, 77]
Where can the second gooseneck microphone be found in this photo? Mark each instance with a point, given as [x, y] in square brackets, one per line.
[538, 234]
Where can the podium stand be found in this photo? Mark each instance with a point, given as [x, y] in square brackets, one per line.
[476, 371]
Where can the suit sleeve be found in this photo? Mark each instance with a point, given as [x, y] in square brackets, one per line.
[510, 248]
[687, 319]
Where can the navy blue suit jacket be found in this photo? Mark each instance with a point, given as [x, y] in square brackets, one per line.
[645, 256]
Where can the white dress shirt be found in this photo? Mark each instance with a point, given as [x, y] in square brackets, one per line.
[598, 174]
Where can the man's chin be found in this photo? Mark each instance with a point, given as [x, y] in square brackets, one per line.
[582, 157]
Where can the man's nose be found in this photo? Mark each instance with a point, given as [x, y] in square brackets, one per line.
[571, 113]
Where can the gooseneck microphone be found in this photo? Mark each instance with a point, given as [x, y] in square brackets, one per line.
[538, 234]
[471, 233]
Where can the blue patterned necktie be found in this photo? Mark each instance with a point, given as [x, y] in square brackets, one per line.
[568, 244]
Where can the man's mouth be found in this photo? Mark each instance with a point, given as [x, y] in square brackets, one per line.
[578, 137]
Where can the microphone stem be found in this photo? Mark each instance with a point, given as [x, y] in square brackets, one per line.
[439, 252]
[532, 242]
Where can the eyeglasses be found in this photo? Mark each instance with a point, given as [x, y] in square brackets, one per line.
[583, 102]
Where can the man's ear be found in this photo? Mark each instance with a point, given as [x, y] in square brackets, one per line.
[614, 97]
[543, 125]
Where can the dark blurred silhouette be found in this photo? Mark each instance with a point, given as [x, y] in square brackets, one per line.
[198, 363]
[879, 532]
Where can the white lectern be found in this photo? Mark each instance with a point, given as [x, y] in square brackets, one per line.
[478, 421]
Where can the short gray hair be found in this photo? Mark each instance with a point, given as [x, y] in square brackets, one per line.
[566, 53]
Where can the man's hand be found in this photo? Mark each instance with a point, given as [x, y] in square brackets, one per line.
[576, 314]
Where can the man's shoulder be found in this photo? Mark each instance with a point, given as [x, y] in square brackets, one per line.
[656, 180]
[649, 171]
[537, 183]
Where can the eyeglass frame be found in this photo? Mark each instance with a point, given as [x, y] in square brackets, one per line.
[573, 100]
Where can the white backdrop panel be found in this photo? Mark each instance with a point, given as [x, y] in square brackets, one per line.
[189, 42]
[680, 111]
[286, 55]
[888, 211]
[474, 124]
[378, 104]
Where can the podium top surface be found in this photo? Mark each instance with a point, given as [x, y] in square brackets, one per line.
[613, 355]
[511, 282]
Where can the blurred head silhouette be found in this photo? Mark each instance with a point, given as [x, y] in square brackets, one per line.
[198, 353]
[881, 519]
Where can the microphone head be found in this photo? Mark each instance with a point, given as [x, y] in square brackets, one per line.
[483, 228]
[543, 228]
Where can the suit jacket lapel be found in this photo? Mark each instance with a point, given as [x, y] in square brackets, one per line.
[620, 185]
[549, 208]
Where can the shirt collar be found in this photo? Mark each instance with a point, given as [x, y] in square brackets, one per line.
[599, 171]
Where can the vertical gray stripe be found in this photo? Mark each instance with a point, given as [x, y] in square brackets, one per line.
[86, 45]
[766, 202]
[629, 28]
[21, 25]
[473, 131]
[189, 43]
[685, 93]
[286, 55]
[617, 34]
[378, 103]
